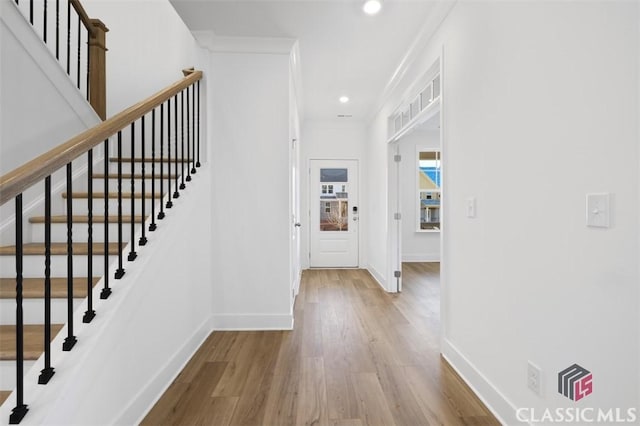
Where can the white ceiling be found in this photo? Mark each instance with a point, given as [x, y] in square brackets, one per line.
[342, 50]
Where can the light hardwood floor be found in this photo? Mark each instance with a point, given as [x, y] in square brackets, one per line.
[357, 356]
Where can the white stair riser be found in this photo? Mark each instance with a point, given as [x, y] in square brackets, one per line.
[33, 266]
[80, 206]
[8, 373]
[33, 311]
[81, 232]
[137, 167]
[98, 185]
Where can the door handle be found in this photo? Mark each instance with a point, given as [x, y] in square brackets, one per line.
[298, 225]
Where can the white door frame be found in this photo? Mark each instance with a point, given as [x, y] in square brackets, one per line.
[394, 234]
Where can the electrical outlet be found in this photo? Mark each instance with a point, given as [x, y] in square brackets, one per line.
[534, 377]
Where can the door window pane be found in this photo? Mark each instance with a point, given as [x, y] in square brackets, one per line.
[334, 204]
[334, 215]
[429, 189]
[334, 175]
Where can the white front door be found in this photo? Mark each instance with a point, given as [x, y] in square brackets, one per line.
[333, 213]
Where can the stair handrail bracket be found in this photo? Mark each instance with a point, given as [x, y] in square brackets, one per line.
[21, 178]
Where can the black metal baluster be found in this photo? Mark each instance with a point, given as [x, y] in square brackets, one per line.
[68, 37]
[188, 179]
[161, 213]
[182, 186]
[44, 23]
[152, 225]
[47, 372]
[193, 128]
[120, 271]
[88, 64]
[143, 238]
[89, 313]
[176, 194]
[20, 409]
[132, 242]
[70, 340]
[169, 202]
[198, 162]
[106, 290]
[31, 11]
[79, 51]
[58, 29]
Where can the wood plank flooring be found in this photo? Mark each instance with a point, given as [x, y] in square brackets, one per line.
[357, 356]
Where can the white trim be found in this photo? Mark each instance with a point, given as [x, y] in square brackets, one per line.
[377, 276]
[219, 44]
[421, 257]
[424, 115]
[435, 20]
[147, 397]
[251, 322]
[492, 398]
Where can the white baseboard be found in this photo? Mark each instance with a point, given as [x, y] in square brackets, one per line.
[421, 257]
[251, 322]
[494, 400]
[378, 277]
[147, 397]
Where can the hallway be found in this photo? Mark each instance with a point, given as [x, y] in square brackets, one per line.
[357, 356]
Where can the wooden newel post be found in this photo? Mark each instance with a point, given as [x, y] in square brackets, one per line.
[98, 71]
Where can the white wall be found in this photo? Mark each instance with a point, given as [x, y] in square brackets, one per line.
[40, 108]
[332, 140]
[416, 246]
[528, 280]
[249, 95]
[148, 44]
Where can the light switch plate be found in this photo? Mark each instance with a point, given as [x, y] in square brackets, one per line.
[471, 207]
[598, 210]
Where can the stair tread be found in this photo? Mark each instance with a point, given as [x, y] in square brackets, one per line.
[4, 394]
[97, 195]
[33, 288]
[148, 160]
[83, 219]
[33, 341]
[37, 249]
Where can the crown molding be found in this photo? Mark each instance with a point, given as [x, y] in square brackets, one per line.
[438, 15]
[219, 44]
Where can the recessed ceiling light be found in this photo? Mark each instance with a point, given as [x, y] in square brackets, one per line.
[344, 99]
[371, 7]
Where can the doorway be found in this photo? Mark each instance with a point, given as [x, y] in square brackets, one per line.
[415, 182]
[333, 205]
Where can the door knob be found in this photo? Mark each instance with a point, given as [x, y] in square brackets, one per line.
[298, 224]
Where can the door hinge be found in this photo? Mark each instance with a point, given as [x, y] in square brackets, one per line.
[397, 274]
[397, 216]
[397, 158]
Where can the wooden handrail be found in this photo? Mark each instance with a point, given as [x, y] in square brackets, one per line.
[82, 14]
[20, 179]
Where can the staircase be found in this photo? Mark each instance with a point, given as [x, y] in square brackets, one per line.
[82, 231]
[34, 252]
[101, 219]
